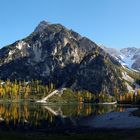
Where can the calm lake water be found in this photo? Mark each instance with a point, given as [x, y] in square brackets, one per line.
[37, 117]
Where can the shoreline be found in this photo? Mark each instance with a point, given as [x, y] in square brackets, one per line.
[98, 134]
[115, 120]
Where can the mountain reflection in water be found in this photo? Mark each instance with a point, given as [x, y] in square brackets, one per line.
[31, 116]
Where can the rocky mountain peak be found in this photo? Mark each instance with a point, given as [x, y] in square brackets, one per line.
[45, 26]
[55, 54]
[41, 26]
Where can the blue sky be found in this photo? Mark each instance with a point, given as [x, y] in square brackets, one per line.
[114, 23]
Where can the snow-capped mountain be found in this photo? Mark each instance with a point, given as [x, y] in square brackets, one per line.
[129, 57]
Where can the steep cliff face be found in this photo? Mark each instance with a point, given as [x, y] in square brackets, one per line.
[52, 53]
[100, 74]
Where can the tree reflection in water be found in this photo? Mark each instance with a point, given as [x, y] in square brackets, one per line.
[21, 115]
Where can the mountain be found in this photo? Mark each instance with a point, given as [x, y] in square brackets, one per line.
[129, 57]
[132, 57]
[55, 54]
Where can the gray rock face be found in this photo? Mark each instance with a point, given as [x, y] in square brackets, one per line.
[55, 54]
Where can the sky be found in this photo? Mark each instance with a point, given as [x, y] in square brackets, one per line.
[113, 23]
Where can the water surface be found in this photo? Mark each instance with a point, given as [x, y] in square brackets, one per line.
[37, 117]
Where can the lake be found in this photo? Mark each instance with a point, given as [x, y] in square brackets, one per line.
[33, 117]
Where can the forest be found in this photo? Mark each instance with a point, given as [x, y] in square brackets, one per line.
[34, 90]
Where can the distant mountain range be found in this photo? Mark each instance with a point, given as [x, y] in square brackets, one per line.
[129, 57]
[55, 54]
